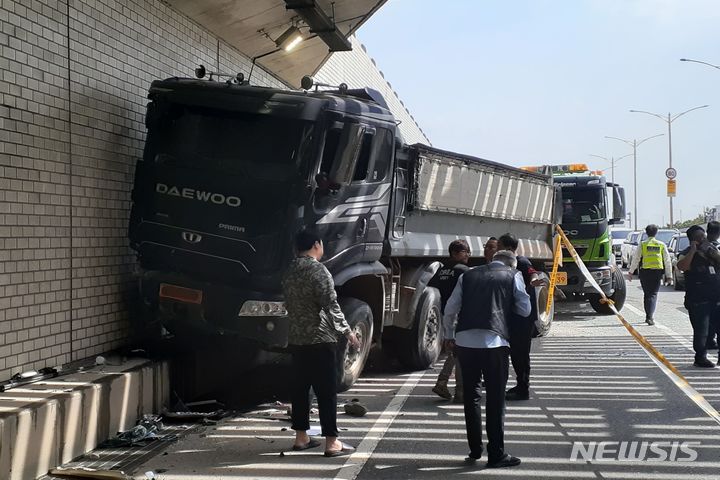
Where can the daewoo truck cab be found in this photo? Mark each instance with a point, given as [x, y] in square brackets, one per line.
[231, 172]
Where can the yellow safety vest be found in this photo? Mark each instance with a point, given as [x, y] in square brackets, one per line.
[652, 254]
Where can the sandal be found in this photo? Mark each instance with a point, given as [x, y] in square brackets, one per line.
[345, 450]
[311, 444]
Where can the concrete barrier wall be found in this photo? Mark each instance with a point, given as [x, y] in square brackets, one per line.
[49, 423]
[73, 81]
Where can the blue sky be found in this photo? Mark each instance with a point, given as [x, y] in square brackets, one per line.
[529, 82]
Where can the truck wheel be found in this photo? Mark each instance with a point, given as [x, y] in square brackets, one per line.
[618, 296]
[350, 362]
[544, 318]
[420, 347]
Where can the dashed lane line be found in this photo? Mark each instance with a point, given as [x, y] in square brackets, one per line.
[355, 463]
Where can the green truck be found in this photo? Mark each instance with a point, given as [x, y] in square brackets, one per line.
[590, 204]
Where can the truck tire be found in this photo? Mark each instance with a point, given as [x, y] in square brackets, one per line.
[420, 347]
[350, 362]
[618, 296]
[544, 318]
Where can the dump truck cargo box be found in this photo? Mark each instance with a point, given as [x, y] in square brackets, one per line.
[458, 196]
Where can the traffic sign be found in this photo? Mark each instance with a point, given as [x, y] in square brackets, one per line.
[671, 173]
[671, 187]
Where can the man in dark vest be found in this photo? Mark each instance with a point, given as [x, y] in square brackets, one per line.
[701, 264]
[445, 280]
[521, 331]
[485, 300]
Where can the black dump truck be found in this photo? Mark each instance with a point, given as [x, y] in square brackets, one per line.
[231, 172]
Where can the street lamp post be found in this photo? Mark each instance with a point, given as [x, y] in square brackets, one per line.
[634, 144]
[612, 161]
[700, 61]
[670, 118]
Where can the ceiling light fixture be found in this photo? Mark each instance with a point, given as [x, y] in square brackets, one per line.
[290, 39]
[322, 25]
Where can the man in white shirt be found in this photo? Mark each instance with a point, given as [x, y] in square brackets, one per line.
[483, 302]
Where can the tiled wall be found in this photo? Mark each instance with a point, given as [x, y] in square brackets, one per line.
[73, 86]
[74, 76]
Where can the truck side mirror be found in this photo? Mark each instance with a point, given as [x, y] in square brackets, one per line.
[558, 206]
[618, 204]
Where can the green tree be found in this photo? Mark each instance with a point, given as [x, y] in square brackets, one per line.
[699, 220]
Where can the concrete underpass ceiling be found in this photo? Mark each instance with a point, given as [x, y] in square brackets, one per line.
[239, 22]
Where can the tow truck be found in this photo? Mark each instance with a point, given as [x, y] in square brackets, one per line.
[590, 205]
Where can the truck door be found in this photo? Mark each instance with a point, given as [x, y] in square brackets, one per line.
[353, 191]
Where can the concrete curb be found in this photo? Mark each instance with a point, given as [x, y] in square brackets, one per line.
[48, 423]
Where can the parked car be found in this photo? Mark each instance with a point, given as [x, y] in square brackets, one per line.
[664, 235]
[618, 236]
[678, 243]
[630, 242]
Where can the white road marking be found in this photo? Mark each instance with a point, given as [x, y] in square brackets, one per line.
[672, 333]
[355, 463]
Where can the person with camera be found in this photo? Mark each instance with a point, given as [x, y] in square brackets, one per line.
[701, 264]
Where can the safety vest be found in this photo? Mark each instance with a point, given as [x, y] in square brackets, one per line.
[652, 254]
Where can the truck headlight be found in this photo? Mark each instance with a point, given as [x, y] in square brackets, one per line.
[599, 275]
[259, 308]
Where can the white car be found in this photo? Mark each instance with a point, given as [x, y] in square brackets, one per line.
[618, 236]
[627, 247]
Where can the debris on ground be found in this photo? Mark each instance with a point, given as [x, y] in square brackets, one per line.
[85, 472]
[206, 411]
[355, 408]
[144, 432]
[208, 418]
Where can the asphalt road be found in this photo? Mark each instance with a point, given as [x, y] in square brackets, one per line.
[591, 382]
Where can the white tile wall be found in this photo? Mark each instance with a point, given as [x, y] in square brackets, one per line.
[74, 76]
[73, 83]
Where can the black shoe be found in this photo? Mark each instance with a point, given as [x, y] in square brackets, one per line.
[472, 458]
[712, 345]
[516, 394]
[650, 321]
[506, 461]
[703, 363]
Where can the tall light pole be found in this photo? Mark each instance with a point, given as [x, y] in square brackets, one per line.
[670, 118]
[700, 61]
[634, 143]
[612, 161]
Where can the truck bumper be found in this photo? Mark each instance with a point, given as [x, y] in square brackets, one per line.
[215, 314]
[578, 284]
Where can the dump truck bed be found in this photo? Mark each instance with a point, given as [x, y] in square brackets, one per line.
[457, 196]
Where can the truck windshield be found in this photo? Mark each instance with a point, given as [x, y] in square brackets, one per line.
[230, 142]
[583, 205]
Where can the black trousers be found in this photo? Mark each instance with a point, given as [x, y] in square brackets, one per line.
[521, 330]
[315, 366]
[701, 314]
[650, 283]
[491, 364]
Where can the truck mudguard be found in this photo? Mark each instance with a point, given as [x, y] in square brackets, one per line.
[417, 280]
[357, 270]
